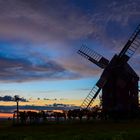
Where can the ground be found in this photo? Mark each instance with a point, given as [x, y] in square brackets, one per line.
[92, 130]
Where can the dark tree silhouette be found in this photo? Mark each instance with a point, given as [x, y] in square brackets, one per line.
[17, 103]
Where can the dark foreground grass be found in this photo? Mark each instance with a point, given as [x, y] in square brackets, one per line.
[94, 130]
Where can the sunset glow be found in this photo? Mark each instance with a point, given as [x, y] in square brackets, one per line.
[6, 115]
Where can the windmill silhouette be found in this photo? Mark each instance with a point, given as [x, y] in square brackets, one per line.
[118, 82]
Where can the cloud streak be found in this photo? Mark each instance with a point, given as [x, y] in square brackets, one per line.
[17, 69]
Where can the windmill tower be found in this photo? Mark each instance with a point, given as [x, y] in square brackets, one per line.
[119, 82]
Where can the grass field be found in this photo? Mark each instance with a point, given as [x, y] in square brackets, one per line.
[93, 130]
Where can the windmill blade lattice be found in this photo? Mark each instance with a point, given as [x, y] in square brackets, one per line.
[131, 46]
[92, 56]
[88, 101]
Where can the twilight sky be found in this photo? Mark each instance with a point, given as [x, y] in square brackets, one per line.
[39, 40]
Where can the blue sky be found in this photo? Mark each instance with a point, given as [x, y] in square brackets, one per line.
[39, 40]
[67, 89]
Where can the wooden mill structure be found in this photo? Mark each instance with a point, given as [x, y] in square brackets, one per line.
[118, 82]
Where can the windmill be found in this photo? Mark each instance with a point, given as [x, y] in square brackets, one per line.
[118, 82]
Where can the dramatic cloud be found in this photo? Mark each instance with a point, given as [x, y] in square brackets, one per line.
[42, 36]
[17, 69]
[43, 20]
[48, 20]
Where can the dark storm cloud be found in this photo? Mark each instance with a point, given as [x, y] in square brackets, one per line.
[63, 26]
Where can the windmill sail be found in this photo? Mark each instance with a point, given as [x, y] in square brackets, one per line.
[92, 56]
[88, 101]
[131, 46]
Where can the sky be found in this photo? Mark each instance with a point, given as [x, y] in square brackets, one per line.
[39, 40]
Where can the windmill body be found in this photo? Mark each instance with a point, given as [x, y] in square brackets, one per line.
[120, 92]
[118, 82]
